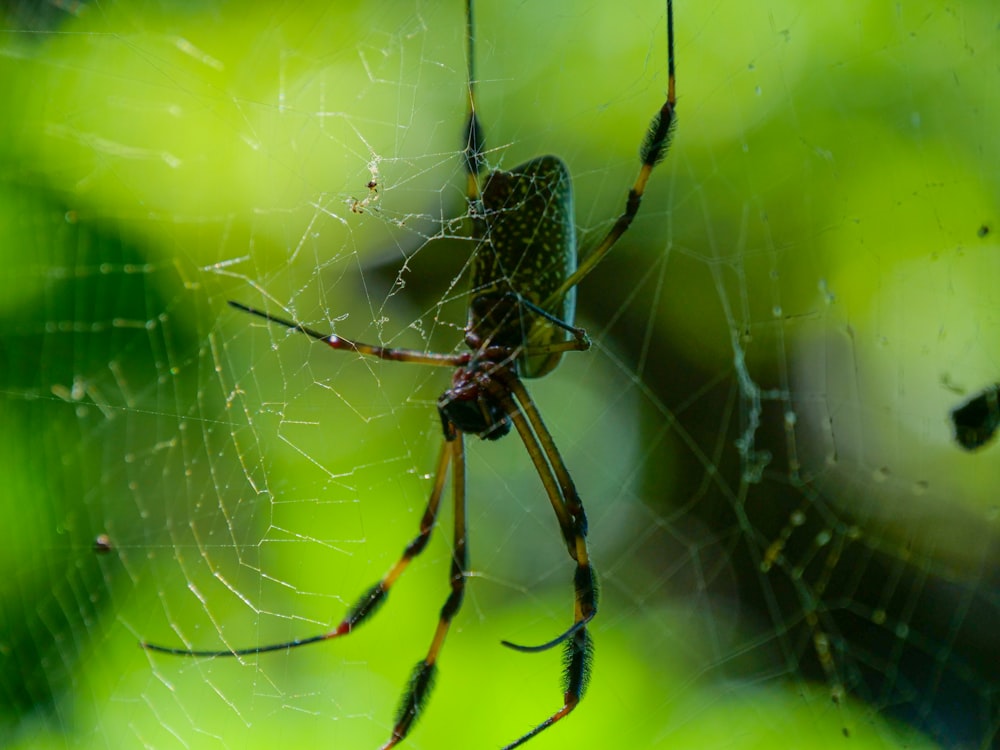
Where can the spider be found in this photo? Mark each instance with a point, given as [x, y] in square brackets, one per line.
[520, 322]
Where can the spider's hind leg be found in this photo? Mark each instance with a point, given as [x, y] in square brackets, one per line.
[568, 507]
[577, 658]
[422, 678]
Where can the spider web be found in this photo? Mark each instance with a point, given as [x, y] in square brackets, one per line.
[794, 550]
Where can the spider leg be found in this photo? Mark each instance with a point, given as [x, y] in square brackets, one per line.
[372, 350]
[654, 148]
[580, 343]
[578, 654]
[369, 601]
[571, 497]
[577, 658]
[475, 141]
[565, 500]
[422, 677]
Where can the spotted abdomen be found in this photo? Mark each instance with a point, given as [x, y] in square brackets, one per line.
[528, 250]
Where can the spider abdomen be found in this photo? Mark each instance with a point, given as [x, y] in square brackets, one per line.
[528, 250]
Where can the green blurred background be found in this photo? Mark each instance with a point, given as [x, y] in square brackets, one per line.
[793, 547]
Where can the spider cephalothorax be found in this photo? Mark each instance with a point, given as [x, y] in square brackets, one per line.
[470, 405]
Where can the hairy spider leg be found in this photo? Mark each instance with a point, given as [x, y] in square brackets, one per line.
[578, 658]
[422, 678]
[578, 655]
[654, 148]
[368, 603]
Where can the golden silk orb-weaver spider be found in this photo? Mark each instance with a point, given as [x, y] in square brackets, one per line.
[520, 322]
